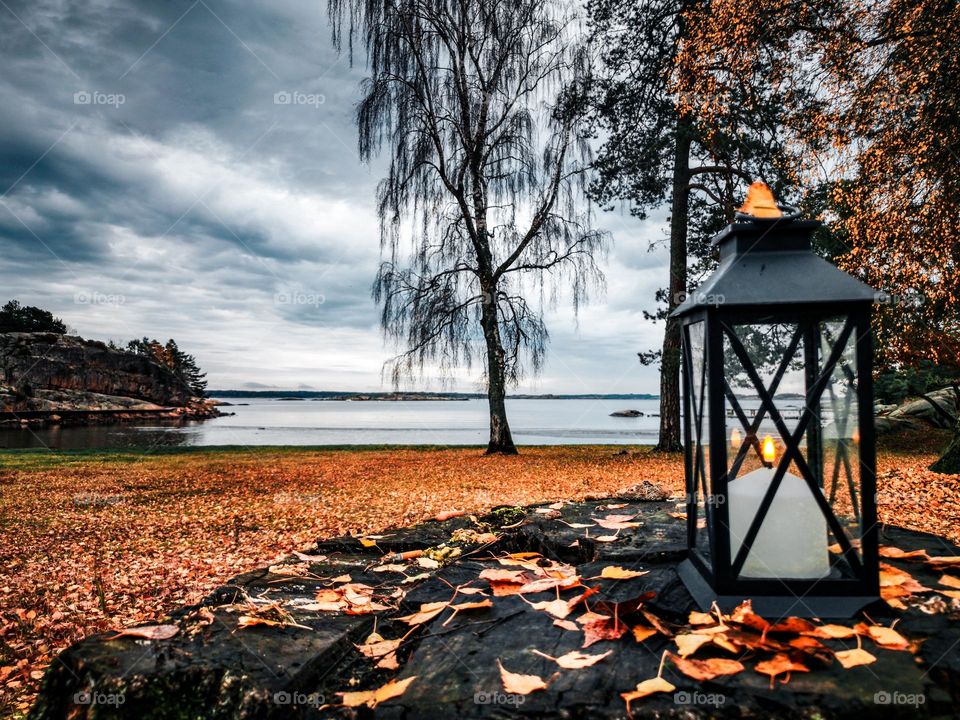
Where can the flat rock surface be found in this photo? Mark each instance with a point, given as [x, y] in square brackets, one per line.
[225, 662]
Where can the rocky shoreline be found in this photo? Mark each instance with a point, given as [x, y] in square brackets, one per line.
[52, 379]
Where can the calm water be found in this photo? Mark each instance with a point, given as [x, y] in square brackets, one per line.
[315, 422]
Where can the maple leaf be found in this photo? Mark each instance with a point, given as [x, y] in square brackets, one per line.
[372, 698]
[575, 660]
[706, 669]
[518, 684]
[779, 664]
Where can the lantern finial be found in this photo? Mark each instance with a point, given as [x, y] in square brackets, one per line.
[760, 202]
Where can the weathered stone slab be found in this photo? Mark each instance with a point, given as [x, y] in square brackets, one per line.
[219, 670]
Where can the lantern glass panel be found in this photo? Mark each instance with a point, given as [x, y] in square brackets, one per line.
[698, 406]
[772, 506]
[840, 434]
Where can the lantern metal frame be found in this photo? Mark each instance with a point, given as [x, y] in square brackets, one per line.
[769, 275]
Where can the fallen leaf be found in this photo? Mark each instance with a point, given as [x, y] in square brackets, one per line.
[832, 632]
[701, 618]
[889, 551]
[567, 625]
[467, 606]
[778, 665]
[689, 643]
[426, 613]
[448, 514]
[648, 687]
[703, 670]
[575, 660]
[885, 637]
[949, 581]
[372, 698]
[522, 684]
[641, 633]
[149, 632]
[600, 627]
[792, 625]
[615, 572]
[855, 657]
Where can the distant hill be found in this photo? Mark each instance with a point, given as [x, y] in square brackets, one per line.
[342, 395]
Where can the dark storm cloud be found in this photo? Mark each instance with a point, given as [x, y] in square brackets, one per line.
[196, 162]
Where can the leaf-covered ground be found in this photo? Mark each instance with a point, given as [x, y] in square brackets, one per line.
[91, 542]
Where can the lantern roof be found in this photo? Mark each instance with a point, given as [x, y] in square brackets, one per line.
[769, 261]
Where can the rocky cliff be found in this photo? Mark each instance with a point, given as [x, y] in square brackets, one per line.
[51, 373]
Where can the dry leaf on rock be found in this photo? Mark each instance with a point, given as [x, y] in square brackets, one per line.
[709, 669]
[689, 643]
[372, 698]
[780, 664]
[885, 637]
[949, 581]
[647, 687]
[426, 613]
[855, 657]
[467, 606]
[615, 572]
[832, 632]
[522, 684]
[575, 660]
[149, 632]
[641, 633]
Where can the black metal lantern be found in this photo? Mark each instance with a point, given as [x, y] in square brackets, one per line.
[778, 427]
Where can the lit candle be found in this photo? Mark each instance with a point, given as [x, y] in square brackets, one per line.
[792, 541]
[735, 439]
[769, 450]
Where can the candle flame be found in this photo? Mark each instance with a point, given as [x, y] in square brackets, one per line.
[760, 202]
[769, 450]
[856, 436]
[735, 439]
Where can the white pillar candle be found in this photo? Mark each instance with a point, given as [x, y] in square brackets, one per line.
[792, 542]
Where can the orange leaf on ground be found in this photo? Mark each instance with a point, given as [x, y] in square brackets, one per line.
[950, 581]
[689, 643]
[701, 618]
[601, 627]
[889, 551]
[855, 657]
[641, 633]
[779, 664]
[566, 625]
[448, 515]
[648, 687]
[372, 698]
[150, 632]
[522, 684]
[885, 637]
[706, 669]
[575, 660]
[832, 632]
[615, 572]
[426, 613]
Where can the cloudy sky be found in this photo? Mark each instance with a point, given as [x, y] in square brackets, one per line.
[154, 182]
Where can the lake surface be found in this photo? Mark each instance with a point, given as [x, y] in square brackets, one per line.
[268, 421]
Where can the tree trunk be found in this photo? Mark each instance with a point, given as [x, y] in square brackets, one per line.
[501, 441]
[949, 462]
[670, 359]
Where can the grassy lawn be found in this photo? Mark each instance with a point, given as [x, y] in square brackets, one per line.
[91, 541]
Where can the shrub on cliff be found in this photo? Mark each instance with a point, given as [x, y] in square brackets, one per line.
[170, 355]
